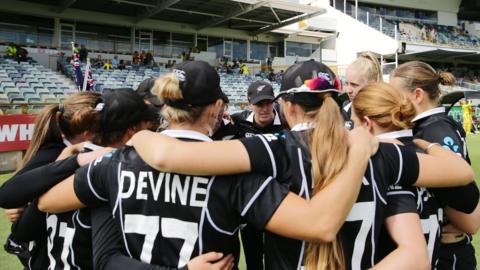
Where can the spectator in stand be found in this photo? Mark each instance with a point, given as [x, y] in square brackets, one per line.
[244, 69]
[269, 63]
[22, 54]
[115, 61]
[135, 58]
[168, 64]
[279, 76]
[184, 56]
[235, 64]
[83, 53]
[76, 49]
[149, 61]
[99, 61]
[11, 50]
[142, 56]
[174, 62]
[121, 65]
[108, 65]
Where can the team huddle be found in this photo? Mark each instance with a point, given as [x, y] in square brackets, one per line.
[382, 181]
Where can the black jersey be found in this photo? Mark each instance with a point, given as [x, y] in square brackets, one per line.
[22, 189]
[391, 164]
[226, 131]
[70, 237]
[66, 236]
[245, 123]
[167, 218]
[437, 127]
[69, 240]
[410, 199]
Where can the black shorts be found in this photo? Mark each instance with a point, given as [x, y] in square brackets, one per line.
[458, 256]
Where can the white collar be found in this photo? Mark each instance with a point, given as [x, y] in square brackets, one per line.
[428, 113]
[396, 134]
[66, 142]
[186, 134]
[347, 107]
[303, 126]
[276, 120]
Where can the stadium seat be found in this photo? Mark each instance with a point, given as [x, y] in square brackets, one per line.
[4, 98]
[49, 99]
[16, 98]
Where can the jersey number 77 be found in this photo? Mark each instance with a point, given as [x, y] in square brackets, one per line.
[170, 228]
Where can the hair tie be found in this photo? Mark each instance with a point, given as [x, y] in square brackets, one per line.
[61, 108]
[99, 105]
[178, 104]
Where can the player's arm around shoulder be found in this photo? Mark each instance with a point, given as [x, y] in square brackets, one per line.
[320, 219]
[441, 167]
[167, 154]
[62, 197]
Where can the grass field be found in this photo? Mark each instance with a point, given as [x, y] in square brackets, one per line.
[9, 262]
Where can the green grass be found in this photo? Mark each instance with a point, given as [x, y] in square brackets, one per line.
[9, 262]
[473, 143]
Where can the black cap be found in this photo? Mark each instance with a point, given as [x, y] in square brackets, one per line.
[308, 77]
[144, 90]
[122, 108]
[199, 83]
[258, 91]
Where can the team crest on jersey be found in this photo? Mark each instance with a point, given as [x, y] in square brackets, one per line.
[449, 143]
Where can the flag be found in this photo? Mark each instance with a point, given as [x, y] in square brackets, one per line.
[77, 68]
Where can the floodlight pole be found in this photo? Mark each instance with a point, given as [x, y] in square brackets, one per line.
[85, 78]
[396, 51]
[356, 9]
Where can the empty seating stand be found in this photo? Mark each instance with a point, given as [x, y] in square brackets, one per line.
[30, 83]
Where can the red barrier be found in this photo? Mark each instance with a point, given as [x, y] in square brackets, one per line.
[16, 131]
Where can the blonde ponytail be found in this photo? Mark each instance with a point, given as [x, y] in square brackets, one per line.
[368, 65]
[327, 163]
[168, 88]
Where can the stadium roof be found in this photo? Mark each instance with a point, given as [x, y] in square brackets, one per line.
[443, 56]
[469, 10]
[254, 16]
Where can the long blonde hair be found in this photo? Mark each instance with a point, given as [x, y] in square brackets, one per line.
[388, 108]
[74, 116]
[368, 65]
[329, 157]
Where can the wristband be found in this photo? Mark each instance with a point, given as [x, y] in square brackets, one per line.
[430, 146]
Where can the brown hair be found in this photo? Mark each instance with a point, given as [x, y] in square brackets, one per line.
[417, 74]
[368, 65]
[327, 163]
[388, 108]
[74, 116]
[168, 87]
